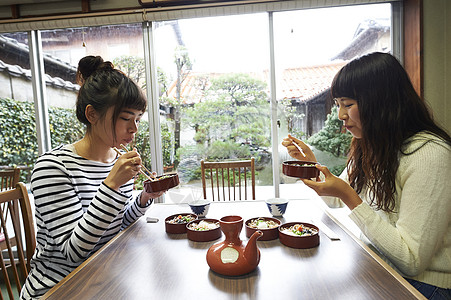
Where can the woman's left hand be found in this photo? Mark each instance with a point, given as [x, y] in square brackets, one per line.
[335, 187]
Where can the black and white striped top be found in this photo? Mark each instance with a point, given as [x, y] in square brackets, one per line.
[76, 214]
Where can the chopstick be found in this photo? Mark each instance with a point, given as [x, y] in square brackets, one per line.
[298, 147]
[143, 166]
[142, 172]
[326, 230]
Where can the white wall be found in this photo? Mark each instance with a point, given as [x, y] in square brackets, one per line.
[20, 88]
[437, 59]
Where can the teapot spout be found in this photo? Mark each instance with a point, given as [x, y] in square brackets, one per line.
[251, 252]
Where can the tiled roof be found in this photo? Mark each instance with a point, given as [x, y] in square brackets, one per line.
[18, 71]
[301, 84]
[304, 83]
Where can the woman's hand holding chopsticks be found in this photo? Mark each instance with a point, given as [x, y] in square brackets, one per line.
[134, 158]
[298, 149]
[126, 167]
[135, 161]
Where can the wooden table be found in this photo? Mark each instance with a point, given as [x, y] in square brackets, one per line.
[144, 262]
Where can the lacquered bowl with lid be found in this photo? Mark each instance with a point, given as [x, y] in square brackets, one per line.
[177, 223]
[299, 241]
[264, 227]
[161, 183]
[203, 230]
[300, 169]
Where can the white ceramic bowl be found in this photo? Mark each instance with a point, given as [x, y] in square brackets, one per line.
[200, 207]
[277, 206]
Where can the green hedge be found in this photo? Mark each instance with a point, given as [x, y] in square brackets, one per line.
[18, 140]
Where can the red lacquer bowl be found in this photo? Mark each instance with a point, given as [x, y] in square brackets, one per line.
[298, 241]
[300, 169]
[178, 227]
[203, 235]
[268, 233]
[162, 183]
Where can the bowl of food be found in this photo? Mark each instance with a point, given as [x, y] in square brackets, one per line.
[268, 226]
[161, 183]
[299, 235]
[177, 223]
[300, 169]
[204, 230]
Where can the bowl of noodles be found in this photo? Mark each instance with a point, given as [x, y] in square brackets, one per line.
[299, 235]
[161, 183]
[300, 169]
[177, 223]
[268, 226]
[203, 230]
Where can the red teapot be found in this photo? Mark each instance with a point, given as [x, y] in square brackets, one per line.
[231, 257]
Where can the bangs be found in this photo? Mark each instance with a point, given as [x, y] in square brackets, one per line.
[343, 84]
[129, 95]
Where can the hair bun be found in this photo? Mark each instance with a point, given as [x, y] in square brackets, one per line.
[88, 65]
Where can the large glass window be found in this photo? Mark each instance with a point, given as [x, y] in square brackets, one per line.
[63, 48]
[215, 89]
[213, 77]
[17, 125]
[310, 47]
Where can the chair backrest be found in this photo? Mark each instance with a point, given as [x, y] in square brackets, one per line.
[14, 257]
[228, 179]
[9, 178]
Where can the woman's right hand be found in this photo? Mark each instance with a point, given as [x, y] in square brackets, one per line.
[294, 152]
[126, 167]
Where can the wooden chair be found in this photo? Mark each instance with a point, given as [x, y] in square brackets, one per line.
[9, 178]
[14, 257]
[229, 178]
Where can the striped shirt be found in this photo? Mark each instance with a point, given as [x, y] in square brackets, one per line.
[76, 214]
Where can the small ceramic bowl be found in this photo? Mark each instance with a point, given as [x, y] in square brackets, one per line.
[204, 230]
[277, 206]
[200, 207]
[268, 233]
[162, 183]
[177, 223]
[292, 240]
[300, 169]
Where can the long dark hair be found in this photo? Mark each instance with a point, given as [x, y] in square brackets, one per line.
[390, 113]
[103, 86]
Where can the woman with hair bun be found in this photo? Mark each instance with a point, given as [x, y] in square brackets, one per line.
[397, 179]
[83, 191]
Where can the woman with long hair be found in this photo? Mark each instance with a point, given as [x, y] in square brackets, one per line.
[397, 179]
[83, 191]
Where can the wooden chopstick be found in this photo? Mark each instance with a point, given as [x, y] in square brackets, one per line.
[142, 172]
[298, 147]
[143, 166]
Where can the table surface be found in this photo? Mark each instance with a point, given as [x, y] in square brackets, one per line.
[144, 262]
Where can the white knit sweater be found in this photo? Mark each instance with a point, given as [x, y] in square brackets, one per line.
[416, 238]
[76, 214]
